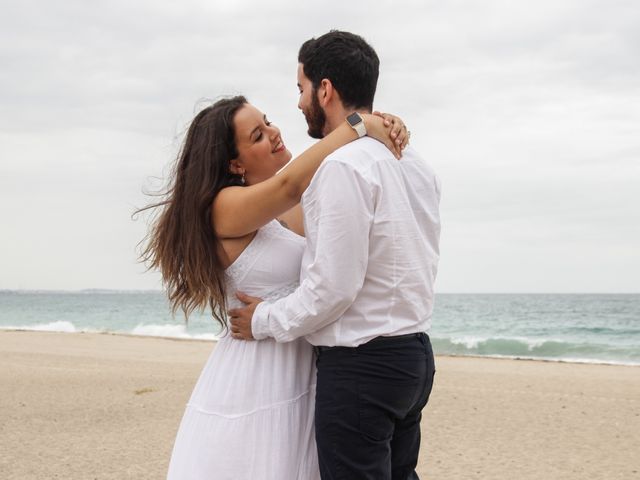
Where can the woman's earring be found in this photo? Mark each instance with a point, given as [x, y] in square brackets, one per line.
[243, 182]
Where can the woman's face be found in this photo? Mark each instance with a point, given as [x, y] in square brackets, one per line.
[261, 152]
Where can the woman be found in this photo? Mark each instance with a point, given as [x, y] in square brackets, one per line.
[250, 415]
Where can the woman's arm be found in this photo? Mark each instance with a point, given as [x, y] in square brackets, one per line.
[238, 211]
[293, 220]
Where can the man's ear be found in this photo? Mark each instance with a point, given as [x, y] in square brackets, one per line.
[235, 168]
[326, 93]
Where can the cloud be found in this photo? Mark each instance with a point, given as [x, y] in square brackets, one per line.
[529, 115]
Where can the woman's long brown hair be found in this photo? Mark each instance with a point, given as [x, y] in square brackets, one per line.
[181, 242]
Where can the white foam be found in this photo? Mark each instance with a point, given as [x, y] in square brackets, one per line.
[59, 326]
[151, 330]
[472, 342]
[468, 342]
[169, 330]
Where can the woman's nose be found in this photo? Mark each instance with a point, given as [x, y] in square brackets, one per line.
[275, 131]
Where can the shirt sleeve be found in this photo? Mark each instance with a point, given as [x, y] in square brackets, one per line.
[340, 200]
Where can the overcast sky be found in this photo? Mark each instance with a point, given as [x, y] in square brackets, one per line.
[529, 112]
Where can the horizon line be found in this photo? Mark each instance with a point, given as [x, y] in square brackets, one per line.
[151, 290]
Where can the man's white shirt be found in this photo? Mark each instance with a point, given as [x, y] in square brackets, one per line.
[372, 227]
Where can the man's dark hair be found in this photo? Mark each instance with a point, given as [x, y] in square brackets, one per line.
[347, 61]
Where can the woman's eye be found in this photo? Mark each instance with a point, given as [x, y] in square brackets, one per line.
[267, 122]
[258, 137]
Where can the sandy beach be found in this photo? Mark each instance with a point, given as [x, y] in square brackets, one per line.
[100, 406]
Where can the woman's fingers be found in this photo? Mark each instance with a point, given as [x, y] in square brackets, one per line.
[405, 142]
[403, 137]
[399, 132]
[387, 120]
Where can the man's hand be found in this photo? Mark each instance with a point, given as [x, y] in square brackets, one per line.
[241, 317]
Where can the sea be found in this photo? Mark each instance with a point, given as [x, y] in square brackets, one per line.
[583, 328]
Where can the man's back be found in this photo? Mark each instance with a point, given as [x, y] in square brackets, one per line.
[397, 202]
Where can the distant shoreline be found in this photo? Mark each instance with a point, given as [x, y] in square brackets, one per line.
[566, 328]
[449, 355]
[98, 291]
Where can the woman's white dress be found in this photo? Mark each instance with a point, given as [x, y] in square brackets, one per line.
[250, 415]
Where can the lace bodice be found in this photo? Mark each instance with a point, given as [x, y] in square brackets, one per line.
[269, 267]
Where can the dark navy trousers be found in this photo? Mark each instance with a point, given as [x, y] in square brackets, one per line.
[369, 402]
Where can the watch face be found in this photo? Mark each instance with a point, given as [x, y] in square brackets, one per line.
[354, 119]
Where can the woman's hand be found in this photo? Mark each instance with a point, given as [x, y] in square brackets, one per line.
[399, 130]
[387, 129]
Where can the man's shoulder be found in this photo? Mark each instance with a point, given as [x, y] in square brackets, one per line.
[353, 159]
[363, 146]
[365, 152]
[360, 154]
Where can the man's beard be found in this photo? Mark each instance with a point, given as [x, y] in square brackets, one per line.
[315, 117]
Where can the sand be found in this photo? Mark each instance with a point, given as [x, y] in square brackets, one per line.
[100, 406]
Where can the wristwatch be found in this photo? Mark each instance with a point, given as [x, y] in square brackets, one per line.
[357, 123]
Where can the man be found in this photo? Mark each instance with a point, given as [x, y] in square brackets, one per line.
[366, 291]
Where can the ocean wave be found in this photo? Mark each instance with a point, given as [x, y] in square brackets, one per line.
[537, 349]
[149, 330]
[58, 326]
[549, 349]
[85, 291]
[475, 342]
[169, 330]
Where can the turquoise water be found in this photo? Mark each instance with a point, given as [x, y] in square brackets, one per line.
[584, 328]
[579, 328]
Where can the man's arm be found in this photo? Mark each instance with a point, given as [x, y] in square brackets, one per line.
[341, 202]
